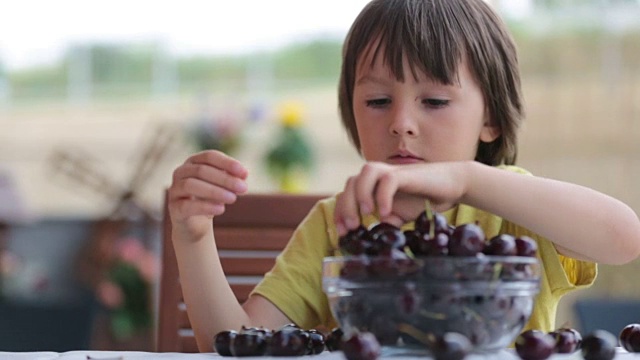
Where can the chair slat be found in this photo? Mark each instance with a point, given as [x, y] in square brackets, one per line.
[256, 266]
[241, 291]
[258, 238]
[267, 210]
[183, 319]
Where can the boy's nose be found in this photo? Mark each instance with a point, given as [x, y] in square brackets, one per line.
[403, 124]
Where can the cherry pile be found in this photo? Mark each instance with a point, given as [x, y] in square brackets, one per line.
[384, 250]
[437, 279]
[448, 346]
[598, 345]
[289, 340]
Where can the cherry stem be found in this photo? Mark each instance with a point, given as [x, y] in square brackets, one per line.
[430, 217]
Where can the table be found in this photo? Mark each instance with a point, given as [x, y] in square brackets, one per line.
[139, 355]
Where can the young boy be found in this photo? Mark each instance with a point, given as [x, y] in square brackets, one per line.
[430, 96]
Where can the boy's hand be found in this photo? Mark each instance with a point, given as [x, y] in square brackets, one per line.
[398, 192]
[203, 186]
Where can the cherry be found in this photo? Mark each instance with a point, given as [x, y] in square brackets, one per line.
[361, 346]
[450, 346]
[385, 237]
[630, 338]
[354, 241]
[422, 244]
[222, 342]
[466, 240]
[315, 344]
[599, 345]
[526, 246]
[249, 343]
[288, 341]
[391, 263]
[437, 246]
[501, 245]
[333, 340]
[423, 223]
[534, 345]
[567, 340]
[414, 241]
[355, 267]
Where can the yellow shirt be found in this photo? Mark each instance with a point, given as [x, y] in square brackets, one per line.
[294, 285]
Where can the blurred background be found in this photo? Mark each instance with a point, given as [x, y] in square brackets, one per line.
[99, 103]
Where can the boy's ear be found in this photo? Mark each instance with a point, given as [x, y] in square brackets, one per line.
[489, 132]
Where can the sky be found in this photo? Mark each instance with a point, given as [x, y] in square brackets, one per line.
[38, 31]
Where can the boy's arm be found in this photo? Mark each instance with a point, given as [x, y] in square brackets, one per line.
[211, 304]
[201, 189]
[582, 222]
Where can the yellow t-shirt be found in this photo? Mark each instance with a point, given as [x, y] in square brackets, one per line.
[294, 285]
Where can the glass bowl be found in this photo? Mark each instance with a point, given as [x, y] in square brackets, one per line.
[405, 302]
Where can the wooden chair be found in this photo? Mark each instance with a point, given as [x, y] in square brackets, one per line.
[249, 235]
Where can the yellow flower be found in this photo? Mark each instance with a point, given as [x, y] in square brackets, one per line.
[291, 115]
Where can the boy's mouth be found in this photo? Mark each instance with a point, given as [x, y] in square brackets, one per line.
[405, 158]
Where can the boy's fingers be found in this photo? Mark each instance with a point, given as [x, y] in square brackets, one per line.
[212, 175]
[365, 187]
[220, 160]
[385, 191]
[346, 213]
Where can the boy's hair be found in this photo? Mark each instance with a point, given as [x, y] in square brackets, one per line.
[435, 35]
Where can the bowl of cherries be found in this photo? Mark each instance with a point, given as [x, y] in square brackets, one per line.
[409, 288]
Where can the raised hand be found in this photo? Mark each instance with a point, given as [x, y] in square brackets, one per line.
[203, 186]
[398, 192]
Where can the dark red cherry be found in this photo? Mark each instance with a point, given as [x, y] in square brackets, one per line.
[361, 346]
[355, 241]
[567, 340]
[414, 241]
[316, 343]
[391, 263]
[466, 240]
[222, 342]
[534, 345]
[526, 246]
[630, 338]
[501, 245]
[333, 340]
[422, 244]
[355, 267]
[288, 342]
[450, 346]
[249, 343]
[385, 237]
[439, 245]
[441, 225]
[423, 224]
[599, 345]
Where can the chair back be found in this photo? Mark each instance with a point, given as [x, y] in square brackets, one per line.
[249, 236]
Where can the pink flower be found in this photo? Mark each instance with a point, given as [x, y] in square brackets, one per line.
[149, 267]
[110, 294]
[130, 250]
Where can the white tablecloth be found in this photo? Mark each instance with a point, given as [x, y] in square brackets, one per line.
[137, 355]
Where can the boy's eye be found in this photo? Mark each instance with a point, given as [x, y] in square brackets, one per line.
[435, 102]
[378, 102]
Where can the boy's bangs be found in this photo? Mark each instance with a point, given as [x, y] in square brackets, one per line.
[432, 47]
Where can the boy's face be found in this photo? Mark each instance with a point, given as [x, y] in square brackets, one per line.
[418, 120]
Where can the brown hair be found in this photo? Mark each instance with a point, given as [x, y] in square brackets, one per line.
[434, 35]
